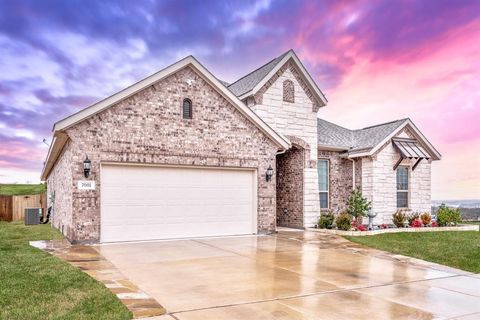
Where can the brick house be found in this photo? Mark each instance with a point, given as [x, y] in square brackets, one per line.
[182, 154]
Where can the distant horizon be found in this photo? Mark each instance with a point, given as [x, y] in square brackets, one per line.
[474, 199]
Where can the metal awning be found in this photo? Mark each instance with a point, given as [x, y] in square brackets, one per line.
[409, 149]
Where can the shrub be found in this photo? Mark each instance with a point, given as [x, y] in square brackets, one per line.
[384, 226]
[344, 221]
[399, 218]
[448, 216]
[357, 205]
[426, 218]
[326, 220]
[434, 224]
[416, 223]
[412, 217]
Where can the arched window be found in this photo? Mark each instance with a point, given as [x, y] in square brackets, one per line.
[288, 91]
[187, 109]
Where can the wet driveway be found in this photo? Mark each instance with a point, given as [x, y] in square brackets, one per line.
[292, 275]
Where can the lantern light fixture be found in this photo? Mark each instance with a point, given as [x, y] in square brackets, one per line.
[86, 167]
[269, 173]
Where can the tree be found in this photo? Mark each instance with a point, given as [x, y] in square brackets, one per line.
[357, 205]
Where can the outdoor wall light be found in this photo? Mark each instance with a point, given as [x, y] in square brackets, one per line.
[269, 173]
[86, 167]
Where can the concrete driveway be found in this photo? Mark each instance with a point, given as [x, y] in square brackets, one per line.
[292, 275]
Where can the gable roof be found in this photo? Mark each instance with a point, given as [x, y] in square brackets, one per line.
[249, 84]
[249, 81]
[366, 141]
[62, 125]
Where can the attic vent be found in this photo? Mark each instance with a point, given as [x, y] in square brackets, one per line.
[288, 91]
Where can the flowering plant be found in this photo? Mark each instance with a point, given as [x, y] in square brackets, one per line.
[383, 226]
[361, 227]
[434, 224]
[416, 223]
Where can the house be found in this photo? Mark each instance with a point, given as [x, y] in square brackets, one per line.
[182, 154]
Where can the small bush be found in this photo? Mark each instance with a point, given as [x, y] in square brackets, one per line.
[448, 216]
[434, 224]
[399, 218]
[416, 223]
[326, 221]
[426, 218]
[357, 205]
[344, 222]
[412, 217]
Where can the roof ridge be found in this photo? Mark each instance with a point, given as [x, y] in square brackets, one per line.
[334, 124]
[382, 124]
[260, 67]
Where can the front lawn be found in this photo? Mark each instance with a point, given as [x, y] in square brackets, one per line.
[22, 189]
[458, 249]
[36, 285]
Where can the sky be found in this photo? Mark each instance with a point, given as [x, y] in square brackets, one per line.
[376, 61]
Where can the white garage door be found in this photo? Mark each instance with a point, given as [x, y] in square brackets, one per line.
[146, 203]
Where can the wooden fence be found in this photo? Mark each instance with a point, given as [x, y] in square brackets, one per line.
[6, 209]
[12, 208]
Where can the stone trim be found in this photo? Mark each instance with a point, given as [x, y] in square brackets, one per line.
[89, 260]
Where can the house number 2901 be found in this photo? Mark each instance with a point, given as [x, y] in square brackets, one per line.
[86, 185]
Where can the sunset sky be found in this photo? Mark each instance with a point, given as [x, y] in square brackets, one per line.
[376, 61]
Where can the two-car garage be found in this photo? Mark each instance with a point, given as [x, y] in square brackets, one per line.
[140, 202]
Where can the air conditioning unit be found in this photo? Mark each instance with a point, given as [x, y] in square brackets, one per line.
[33, 215]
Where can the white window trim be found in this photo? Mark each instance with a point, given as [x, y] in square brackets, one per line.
[407, 191]
[328, 184]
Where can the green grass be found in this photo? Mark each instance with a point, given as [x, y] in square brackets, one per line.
[457, 249]
[22, 189]
[36, 285]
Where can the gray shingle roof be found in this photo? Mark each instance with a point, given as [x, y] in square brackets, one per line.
[249, 81]
[330, 134]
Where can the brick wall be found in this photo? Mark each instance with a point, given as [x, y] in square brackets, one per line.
[341, 180]
[290, 167]
[148, 128]
[60, 184]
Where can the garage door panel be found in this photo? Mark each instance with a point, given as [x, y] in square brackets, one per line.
[143, 203]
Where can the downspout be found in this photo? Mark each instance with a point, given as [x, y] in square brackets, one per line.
[353, 172]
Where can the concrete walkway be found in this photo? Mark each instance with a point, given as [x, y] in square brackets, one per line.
[292, 275]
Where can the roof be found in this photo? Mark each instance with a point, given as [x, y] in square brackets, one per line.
[249, 81]
[366, 141]
[410, 148]
[62, 125]
[249, 84]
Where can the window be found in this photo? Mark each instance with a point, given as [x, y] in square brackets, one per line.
[187, 109]
[402, 187]
[288, 91]
[323, 179]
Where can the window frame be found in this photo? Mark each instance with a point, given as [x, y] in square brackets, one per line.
[190, 111]
[328, 184]
[404, 191]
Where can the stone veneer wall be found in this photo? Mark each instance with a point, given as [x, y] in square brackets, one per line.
[148, 128]
[290, 167]
[341, 180]
[60, 184]
[379, 183]
[297, 119]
